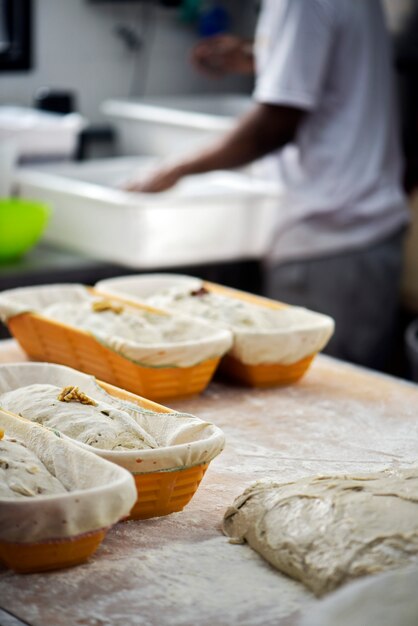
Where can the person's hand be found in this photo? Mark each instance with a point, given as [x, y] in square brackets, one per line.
[223, 54]
[158, 181]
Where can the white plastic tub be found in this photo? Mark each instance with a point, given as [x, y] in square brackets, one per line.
[40, 134]
[213, 217]
[173, 125]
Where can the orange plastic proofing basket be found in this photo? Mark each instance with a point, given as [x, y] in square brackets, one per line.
[47, 340]
[264, 375]
[26, 558]
[260, 375]
[51, 552]
[160, 493]
[268, 375]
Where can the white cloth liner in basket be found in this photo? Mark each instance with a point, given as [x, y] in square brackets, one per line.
[300, 332]
[212, 343]
[99, 493]
[184, 440]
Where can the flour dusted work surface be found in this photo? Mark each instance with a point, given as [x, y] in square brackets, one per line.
[389, 599]
[327, 530]
[180, 570]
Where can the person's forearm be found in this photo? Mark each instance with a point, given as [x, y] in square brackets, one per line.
[258, 134]
[264, 129]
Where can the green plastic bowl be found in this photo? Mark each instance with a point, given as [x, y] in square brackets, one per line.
[22, 223]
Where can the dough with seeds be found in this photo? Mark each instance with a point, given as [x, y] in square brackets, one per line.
[22, 473]
[100, 425]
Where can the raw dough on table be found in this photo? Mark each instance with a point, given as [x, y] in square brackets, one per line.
[101, 425]
[327, 530]
[22, 473]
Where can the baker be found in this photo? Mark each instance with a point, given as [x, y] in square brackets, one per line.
[324, 107]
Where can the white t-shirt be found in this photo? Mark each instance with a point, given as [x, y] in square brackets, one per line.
[341, 176]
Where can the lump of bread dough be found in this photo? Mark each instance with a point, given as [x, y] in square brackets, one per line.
[325, 531]
[22, 473]
[99, 424]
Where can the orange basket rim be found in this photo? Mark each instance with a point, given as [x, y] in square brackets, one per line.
[174, 469]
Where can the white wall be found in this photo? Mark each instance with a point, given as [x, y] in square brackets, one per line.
[76, 49]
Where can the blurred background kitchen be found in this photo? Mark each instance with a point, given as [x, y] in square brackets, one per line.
[93, 90]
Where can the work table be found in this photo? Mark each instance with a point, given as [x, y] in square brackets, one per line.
[180, 570]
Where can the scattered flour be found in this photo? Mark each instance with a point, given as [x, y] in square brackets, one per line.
[179, 570]
[205, 583]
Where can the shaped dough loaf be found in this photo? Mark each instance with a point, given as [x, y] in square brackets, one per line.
[325, 531]
[102, 426]
[223, 311]
[138, 326]
[22, 473]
